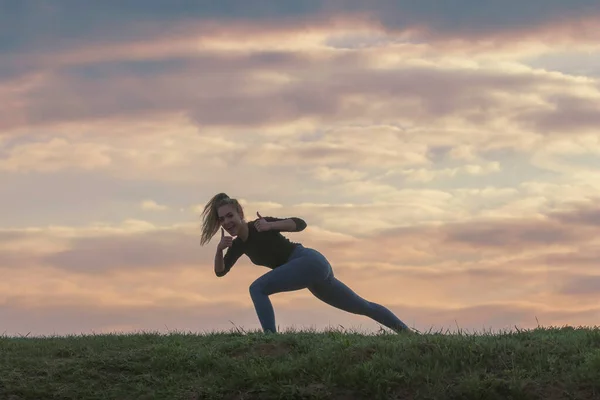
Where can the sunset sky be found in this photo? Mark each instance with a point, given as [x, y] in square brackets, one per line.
[444, 154]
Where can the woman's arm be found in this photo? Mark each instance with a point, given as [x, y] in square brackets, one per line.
[292, 224]
[219, 263]
[223, 263]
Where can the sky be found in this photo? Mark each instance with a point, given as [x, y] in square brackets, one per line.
[444, 155]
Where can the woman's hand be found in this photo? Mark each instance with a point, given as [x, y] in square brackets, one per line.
[226, 241]
[262, 224]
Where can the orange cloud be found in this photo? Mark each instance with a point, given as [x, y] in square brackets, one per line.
[442, 167]
[515, 266]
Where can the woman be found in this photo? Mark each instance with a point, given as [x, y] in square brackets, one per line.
[293, 266]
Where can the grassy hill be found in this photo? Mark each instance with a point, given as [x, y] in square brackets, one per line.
[545, 363]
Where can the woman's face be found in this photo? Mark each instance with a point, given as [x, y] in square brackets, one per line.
[230, 219]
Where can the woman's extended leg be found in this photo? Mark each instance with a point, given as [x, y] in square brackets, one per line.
[300, 272]
[335, 293]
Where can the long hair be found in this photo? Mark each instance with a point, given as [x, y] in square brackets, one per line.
[210, 216]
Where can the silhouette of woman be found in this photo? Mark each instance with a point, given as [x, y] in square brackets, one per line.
[293, 266]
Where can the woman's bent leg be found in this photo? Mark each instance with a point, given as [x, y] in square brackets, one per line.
[299, 273]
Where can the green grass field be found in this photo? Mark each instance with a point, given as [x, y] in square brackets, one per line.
[545, 363]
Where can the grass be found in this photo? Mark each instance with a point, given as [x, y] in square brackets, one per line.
[544, 363]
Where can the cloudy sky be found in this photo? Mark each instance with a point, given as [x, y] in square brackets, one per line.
[444, 154]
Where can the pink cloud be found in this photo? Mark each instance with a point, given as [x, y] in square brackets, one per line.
[227, 93]
[479, 277]
[464, 19]
[362, 101]
[565, 114]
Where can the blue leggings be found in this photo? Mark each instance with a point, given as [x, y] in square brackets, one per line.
[309, 269]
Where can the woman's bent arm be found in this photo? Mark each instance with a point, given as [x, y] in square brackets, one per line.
[219, 263]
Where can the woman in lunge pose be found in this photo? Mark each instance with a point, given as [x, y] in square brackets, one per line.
[293, 266]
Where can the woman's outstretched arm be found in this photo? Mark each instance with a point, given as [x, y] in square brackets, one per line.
[292, 224]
